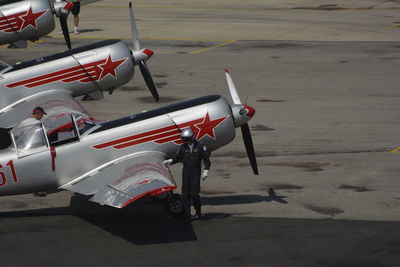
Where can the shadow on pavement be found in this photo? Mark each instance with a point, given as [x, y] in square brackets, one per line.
[141, 223]
[243, 199]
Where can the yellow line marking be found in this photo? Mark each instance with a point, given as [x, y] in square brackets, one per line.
[212, 47]
[29, 43]
[224, 42]
[246, 8]
[396, 25]
[146, 39]
[396, 151]
[29, 50]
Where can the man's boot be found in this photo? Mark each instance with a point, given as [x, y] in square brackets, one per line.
[198, 213]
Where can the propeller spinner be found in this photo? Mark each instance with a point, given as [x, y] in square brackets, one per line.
[242, 114]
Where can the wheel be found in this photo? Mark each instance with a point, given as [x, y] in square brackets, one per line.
[174, 205]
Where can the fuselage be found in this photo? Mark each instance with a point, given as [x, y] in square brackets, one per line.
[79, 71]
[25, 20]
[101, 65]
[210, 118]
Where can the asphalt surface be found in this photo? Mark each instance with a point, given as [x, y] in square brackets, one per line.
[324, 82]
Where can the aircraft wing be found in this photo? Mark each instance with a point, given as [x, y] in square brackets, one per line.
[121, 182]
[58, 104]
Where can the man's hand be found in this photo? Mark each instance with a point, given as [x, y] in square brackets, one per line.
[167, 161]
[205, 174]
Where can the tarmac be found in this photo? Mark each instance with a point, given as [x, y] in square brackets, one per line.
[323, 78]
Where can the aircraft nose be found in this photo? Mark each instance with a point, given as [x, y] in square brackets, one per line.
[148, 53]
[250, 111]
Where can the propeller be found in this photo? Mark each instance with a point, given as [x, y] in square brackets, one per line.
[64, 27]
[62, 9]
[144, 69]
[247, 139]
[248, 143]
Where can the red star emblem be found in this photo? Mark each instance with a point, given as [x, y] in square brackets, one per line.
[30, 18]
[207, 126]
[109, 67]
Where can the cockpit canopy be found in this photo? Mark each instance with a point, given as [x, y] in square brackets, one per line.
[29, 139]
[3, 65]
[36, 138]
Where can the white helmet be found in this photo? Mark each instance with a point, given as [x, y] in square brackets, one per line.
[187, 134]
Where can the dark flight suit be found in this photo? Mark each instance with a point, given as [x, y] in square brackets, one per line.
[191, 173]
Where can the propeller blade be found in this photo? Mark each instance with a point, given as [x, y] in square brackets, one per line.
[134, 32]
[232, 88]
[248, 142]
[64, 27]
[148, 79]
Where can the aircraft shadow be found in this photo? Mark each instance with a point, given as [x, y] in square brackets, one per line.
[140, 224]
[243, 199]
[143, 222]
[90, 30]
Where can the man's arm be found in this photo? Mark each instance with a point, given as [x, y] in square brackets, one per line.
[179, 155]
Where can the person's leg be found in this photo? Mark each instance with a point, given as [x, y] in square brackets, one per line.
[195, 193]
[75, 11]
[76, 23]
[197, 204]
[186, 200]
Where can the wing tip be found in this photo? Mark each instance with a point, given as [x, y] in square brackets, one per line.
[152, 193]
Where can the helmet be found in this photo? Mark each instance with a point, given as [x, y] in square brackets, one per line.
[187, 134]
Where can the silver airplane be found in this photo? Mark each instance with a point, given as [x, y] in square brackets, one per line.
[22, 20]
[53, 81]
[120, 161]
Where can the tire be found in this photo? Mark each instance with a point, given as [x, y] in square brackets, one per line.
[174, 205]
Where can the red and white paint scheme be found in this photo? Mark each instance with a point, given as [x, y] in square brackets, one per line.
[20, 21]
[82, 71]
[23, 20]
[201, 128]
[124, 158]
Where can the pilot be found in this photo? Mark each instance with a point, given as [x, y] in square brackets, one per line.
[191, 153]
[37, 115]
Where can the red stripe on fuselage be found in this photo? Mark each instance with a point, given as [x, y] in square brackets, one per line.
[132, 137]
[147, 139]
[57, 75]
[168, 139]
[7, 23]
[159, 136]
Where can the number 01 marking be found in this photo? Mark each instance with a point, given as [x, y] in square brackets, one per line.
[3, 177]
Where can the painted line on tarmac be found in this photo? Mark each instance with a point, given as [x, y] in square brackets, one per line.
[145, 39]
[29, 43]
[311, 8]
[396, 151]
[394, 26]
[224, 42]
[212, 47]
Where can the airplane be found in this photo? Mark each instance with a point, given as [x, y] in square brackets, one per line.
[22, 20]
[53, 81]
[120, 161]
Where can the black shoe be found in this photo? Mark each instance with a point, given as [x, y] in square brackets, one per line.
[198, 214]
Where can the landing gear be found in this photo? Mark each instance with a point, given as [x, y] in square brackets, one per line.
[173, 205]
